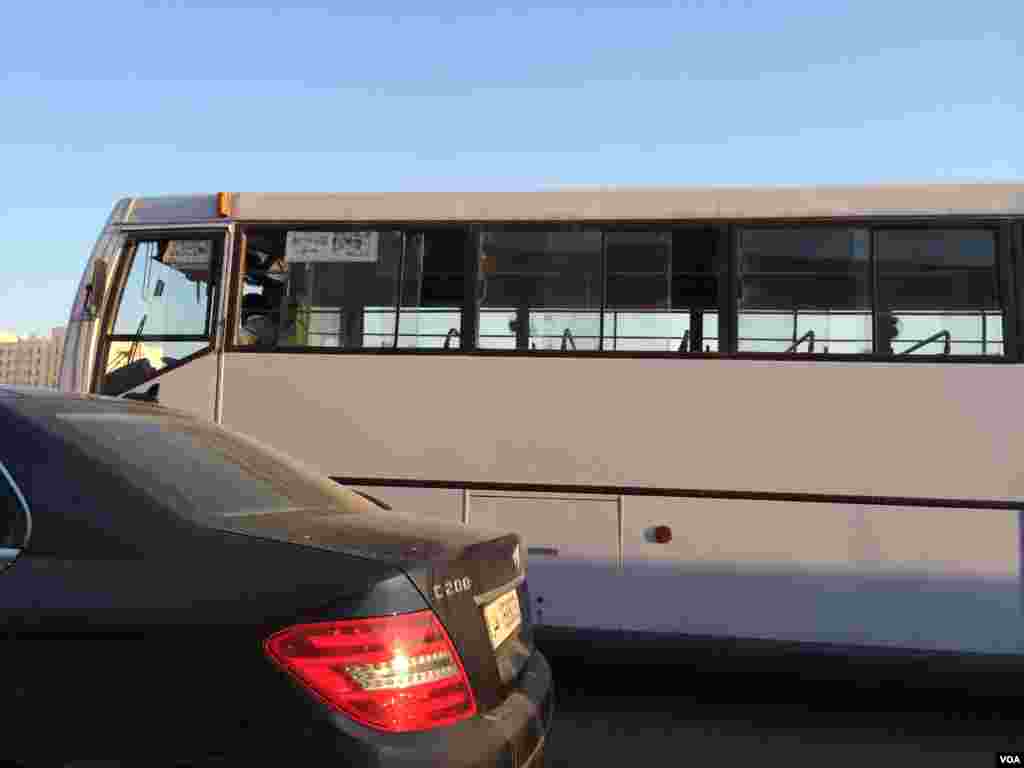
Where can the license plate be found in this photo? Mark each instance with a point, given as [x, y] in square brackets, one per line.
[503, 617]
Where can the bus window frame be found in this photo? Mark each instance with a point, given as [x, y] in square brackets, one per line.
[1005, 290]
[721, 270]
[237, 284]
[1009, 251]
[130, 239]
[1012, 275]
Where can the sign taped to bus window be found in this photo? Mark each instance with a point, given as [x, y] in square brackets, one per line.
[331, 246]
[188, 253]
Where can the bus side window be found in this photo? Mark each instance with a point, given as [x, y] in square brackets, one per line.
[661, 290]
[263, 320]
[939, 292]
[541, 290]
[166, 312]
[433, 289]
[804, 289]
[330, 288]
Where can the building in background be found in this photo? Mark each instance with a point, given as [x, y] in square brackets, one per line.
[33, 360]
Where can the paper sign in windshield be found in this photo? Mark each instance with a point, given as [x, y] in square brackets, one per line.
[331, 246]
[189, 253]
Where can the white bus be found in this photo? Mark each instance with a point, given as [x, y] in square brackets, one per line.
[785, 414]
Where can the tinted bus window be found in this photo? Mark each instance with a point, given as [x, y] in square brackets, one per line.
[433, 289]
[662, 291]
[540, 290]
[353, 288]
[805, 290]
[320, 289]
[939, 289]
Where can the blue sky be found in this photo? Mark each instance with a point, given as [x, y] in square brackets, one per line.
[102, 100]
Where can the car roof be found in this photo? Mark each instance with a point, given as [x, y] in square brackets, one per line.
[156, 451]
[43, 401]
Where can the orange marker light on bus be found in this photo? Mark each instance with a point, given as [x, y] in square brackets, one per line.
[224, 204]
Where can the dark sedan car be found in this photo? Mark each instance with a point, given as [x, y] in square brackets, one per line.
[173, 592]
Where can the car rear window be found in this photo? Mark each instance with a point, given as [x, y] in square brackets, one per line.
[198, 470]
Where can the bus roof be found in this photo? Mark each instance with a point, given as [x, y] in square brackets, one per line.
[582, 204]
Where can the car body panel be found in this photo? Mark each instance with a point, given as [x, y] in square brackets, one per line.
[134, 624]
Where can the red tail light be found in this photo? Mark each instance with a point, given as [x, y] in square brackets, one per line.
[395, 673]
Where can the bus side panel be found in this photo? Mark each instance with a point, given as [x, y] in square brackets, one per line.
[191, 387]
[871, 429]
[904, 577]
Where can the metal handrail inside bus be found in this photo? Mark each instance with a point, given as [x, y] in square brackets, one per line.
[685, 343]
[808, 337]
[567, 338]
[934, 337]
[448, 337]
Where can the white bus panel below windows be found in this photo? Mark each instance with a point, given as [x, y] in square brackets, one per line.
[191, 387]
[905, 577]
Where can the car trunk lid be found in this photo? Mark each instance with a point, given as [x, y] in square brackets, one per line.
[467, 575]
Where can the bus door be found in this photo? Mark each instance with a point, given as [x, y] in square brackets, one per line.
[160, 326]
